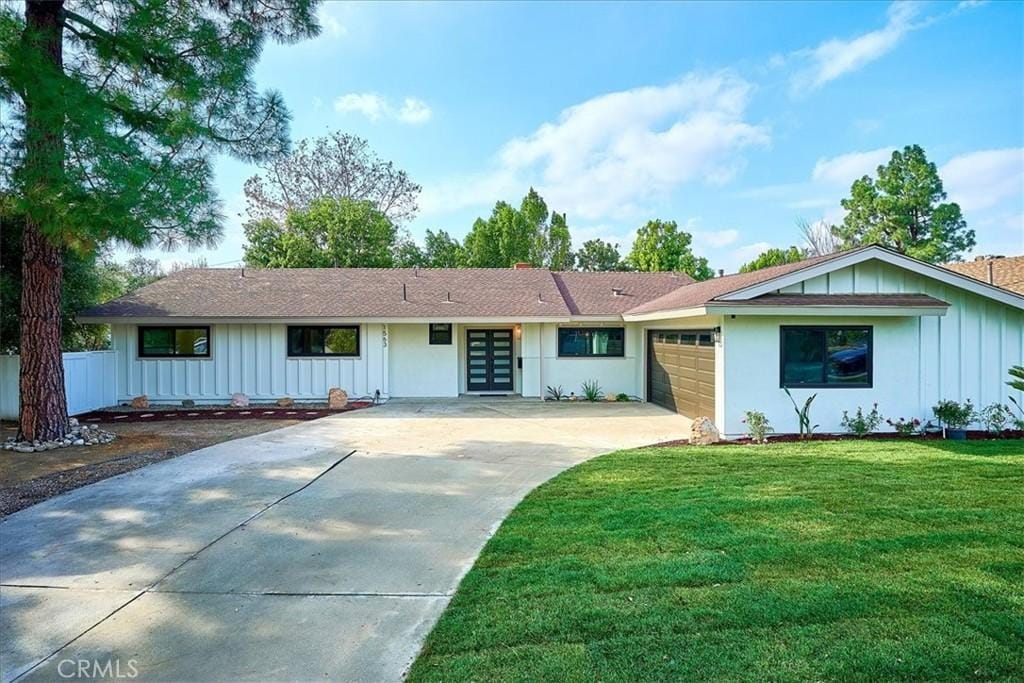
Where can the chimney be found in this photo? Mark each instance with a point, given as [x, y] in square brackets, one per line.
[721, 272]
[991, 272]
[522, 265]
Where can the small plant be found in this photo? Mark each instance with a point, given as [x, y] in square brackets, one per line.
[622, 398]
[757, 426]
[995, 418]
[1017, 375]
[1018, 420]
[862, 424]
[556, 393]
[591, 391]
[904, 427]
[804, 415]
[954, 416]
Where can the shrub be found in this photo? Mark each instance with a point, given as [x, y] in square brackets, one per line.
[757, 426]
[591, 391]
[995, 418]
[1018, 420]
[954, 415]
[622, 398]
[904, 427]
[804, 415]
[556, 393]
[862, 424]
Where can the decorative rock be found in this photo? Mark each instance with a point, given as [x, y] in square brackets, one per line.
[286, 402]
[140, 402]
[72, 422]
[703, 432]
[239, 400]
[337, 398]
[79, 442]
[188, 403]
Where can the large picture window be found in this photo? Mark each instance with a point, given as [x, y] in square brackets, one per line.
[323, 341]
[174, 342]
[826, 357]
[577, 342]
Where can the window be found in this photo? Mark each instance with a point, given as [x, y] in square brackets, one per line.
[591, 341]
[826, 357]
[174, 342]
[441, 333]
[323, 341]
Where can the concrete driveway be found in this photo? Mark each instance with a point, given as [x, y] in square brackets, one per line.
[325, 549]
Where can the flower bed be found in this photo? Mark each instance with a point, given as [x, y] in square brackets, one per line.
[257, 412]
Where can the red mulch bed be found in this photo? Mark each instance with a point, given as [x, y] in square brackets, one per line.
[972, 435]
[226, 413]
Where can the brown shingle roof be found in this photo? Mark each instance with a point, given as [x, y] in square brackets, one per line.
[898, 300]
[700, 293]
[614, 293]
[378, 293]
[1006, 272]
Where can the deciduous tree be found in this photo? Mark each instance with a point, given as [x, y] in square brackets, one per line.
[334, 166]
[661, 246]
[596, 254]
[441, 250]
[904, 208]
[774, 257]
[112, 138]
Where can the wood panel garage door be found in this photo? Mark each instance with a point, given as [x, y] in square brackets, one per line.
[681, 371]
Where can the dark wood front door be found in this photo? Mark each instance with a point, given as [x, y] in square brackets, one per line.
[489, 360]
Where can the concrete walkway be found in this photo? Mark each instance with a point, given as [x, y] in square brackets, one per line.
[322, 550]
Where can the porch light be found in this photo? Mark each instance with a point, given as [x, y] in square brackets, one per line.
[717, 334]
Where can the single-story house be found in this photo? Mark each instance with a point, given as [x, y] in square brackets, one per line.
[856, 327]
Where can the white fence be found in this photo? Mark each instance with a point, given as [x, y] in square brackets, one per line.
[90, 382]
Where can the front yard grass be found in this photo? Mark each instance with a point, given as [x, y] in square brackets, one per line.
[876, 560]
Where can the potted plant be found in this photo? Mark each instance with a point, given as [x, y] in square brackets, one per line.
[954, 417]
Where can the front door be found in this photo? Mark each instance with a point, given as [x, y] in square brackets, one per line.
[489, 360]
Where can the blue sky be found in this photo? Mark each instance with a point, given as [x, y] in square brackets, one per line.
[733, 119]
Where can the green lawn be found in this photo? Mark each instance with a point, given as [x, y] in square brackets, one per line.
[873, 560]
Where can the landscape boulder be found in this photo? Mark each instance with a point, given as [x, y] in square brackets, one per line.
[140, 402]
[239, 400]
[337, 398]
[286, 402]
[703, 432]
[188, 403]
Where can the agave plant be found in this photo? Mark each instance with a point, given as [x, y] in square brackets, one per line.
[556, 393]
[592, 391]
[804, 415]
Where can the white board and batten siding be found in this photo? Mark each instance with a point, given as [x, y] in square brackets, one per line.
[251, 359]
[916, 361]
[89, 382]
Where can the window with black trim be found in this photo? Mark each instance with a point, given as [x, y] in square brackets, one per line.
[174, 342]
[826, 357]
[441, 333]
[323, 340]
[577, 342]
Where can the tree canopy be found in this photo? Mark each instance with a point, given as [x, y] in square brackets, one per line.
[113, 111]
[904, 208]
[335, 166]
[441, 250]
[331, 233]
[774, 257]
[596, 254]
[530, 234]
[661, 246]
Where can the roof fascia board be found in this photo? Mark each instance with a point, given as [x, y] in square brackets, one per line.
[689, 312]
[239, 320]
[834, 311]
[885, 255]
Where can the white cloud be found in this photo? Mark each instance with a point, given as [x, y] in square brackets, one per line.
[714, 239]
[845, 168]
[414, 111]
[375, 107]
[836, 57]
[330, 25]
[983, 179]
[608, 156]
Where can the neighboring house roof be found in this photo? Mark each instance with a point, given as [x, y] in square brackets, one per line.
[614, 293]
[386, 293]
[1002, 271]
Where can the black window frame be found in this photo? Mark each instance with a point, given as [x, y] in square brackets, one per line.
[141, 350]
[825, 329]
[306, 353]
[622, 354]
[446, 334]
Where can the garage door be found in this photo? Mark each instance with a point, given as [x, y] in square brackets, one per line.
[681, 371]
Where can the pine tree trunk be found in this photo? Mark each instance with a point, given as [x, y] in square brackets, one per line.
[44, 413]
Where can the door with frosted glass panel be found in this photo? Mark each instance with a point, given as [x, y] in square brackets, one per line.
[489, 360]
